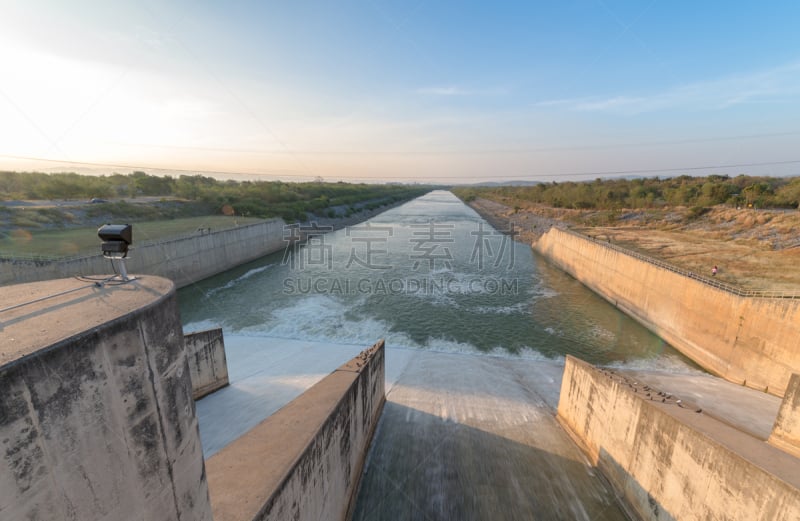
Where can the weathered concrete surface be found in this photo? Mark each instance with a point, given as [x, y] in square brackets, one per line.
[304, 461]
[96, 415]
[786, 432]
[184, 260]
[473, 438]
[265, 374]
[208, 367]
[750, 341]
[669, 461]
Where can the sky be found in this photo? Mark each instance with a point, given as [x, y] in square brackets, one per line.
[412, 91]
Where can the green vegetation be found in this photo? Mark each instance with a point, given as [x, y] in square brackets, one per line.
[614, 194]
[164, 207]
[291, 201]
[54, 243]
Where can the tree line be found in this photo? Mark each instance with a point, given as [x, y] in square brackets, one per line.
[611, 194]
[290, 201]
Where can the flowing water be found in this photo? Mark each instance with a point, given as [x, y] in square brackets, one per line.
[460, 437]
[430, 274]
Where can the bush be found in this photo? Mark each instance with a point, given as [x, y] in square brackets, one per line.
[697, 211]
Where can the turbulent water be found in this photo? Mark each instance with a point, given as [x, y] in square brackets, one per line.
[430, 274]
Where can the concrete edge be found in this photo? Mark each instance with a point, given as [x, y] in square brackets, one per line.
[361, 361]
[105, 325]
[204, 391]
[679, 416]
[346, 372]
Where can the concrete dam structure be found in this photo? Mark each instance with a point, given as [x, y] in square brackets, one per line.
[97, 419]
[669, 460]
[97, 422]
[746, 340]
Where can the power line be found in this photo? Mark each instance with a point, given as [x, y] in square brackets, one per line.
[509, 150]
[527, 176]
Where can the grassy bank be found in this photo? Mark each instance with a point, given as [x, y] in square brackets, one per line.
[79, 240]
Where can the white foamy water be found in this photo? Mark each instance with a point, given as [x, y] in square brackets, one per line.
[235, 282]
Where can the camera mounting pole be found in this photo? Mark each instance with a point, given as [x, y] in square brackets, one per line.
[116, 239]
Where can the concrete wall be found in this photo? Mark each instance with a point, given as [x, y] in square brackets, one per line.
[751, 341]
[786, 432]
[205, 351]
[665, 461]
[183, 260]
[303, 462]
[99, 425]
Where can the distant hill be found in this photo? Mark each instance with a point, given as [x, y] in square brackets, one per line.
[504, 183]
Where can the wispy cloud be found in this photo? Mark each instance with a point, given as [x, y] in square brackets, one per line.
[452, 90]
[767, 86]
[442, 91]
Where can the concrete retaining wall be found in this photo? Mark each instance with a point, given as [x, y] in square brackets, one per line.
[303, 462]
[751, 341]
[99, 425]
[786, 432]
[665, 460]
[205, 351]
[183, 260]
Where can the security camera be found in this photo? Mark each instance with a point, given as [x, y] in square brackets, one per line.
[116, 239]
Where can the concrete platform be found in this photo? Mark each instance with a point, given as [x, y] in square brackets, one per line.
[40, 314]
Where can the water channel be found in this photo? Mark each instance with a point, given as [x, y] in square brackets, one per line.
[430, 274]
[477, 327]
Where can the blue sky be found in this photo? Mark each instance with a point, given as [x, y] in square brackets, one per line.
[408, 91]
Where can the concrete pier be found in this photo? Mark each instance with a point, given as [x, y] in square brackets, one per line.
[97, 419]
[668, 458]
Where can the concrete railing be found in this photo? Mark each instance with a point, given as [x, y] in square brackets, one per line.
[303, 462]
[205, 351]
[668, 461]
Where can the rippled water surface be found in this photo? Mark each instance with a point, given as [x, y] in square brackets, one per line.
[430, 274]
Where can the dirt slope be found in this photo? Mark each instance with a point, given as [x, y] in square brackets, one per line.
[753, 249]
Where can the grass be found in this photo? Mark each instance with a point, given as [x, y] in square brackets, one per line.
[84, 240]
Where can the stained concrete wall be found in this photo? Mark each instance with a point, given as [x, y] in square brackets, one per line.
[669, 462]
[786, 432]
[303, 462]
[97, 419]
[205, 351]
[183, 260]
[751, 341]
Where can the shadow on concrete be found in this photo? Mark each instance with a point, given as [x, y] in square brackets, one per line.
[644, 502]
[53, 308]
[425, 467]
